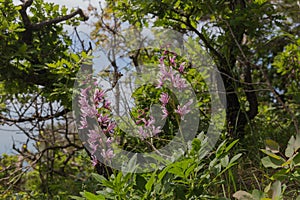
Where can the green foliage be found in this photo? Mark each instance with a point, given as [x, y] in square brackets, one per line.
[30, 184]
[286, 179]
[193, 176]
[237, 34]
[27, 55]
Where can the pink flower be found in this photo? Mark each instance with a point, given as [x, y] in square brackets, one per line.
[178, 82]
[168, 74]
[98, 96]
[91, 112]
[110, 128]
[164, 98]
[148, 122]
[107, 104]
[83, 123]
[93, 135]
[161, 60]
[143, 133]
[155, 130]
[165, 112]
[172, 60]
[108, 154]
[184, 109]
[83, 102]
[181, 67]
[83, 92]
[109, 141]
[160, 83]
[103, 119]
[94, 147]
[94, 160]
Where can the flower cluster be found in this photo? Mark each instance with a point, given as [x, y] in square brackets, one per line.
[183, 110]
[164, 99]
[148, 129]
[99, 108]
[168, 74]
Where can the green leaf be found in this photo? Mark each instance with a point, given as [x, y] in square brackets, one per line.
[297, 143]
[131, 165]
[150, 182]
[183, 26]
[163, 173]
[271, 162]
[234, 158]
[231, 145]
[196, 144]
[224, 161]
[220, 149]
[118, 179]
[77, 198]
[260, 2]
[140, 182]
[296, 159]
[103, 180]
[272, 146]
[272, 155]
[289, 151]
[99, 177]
[91, 196]
[276, 187]
[259, 195]
[187, 173]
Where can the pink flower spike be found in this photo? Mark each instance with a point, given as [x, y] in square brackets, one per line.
[160, 83]
[161, 60]
[83, 123]
[92, 112]
[94, 148]
[109, 141]
[110, 128]
[150, 121]
[178, 82]
[98, 96]
[83, 92]
[94, 160]
[103, 119]
[156, 130]
[165, 112]
[108, 154]
[93, 135]
[172, 60]
[83, 102]
[143, 133]
[184, 109]
[107, 104]
[164, 98]
[181, 67]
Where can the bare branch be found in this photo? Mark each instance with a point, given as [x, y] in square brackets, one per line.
[33, 118]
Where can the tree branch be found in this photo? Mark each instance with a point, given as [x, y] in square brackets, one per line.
[48, 22]
[27, 35]
[23, 12]
[33, 118]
